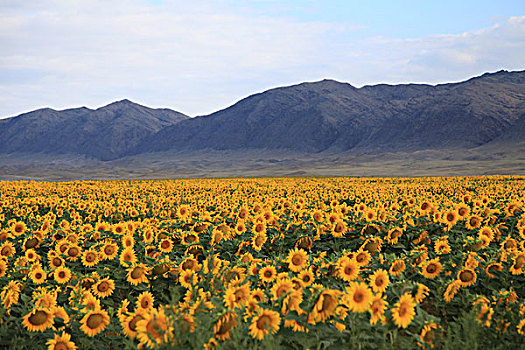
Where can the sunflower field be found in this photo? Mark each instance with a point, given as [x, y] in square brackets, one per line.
[263, 263]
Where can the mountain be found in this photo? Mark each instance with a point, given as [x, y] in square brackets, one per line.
[106, 133]
[329, 116]
[320, 128]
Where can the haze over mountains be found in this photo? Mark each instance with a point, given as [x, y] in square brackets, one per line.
[319, 119]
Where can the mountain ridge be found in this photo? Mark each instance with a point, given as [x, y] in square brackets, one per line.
[310, 117]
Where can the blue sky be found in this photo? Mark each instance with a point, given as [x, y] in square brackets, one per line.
[200, 56]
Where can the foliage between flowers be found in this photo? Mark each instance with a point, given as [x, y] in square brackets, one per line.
[292, 263]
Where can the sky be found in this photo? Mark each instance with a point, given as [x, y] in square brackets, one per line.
[198, 57]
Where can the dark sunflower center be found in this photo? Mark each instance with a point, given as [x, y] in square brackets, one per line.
[38, 318]
[328, 301]
[403, 310]
[239, 295]
[349, 270]
[31, 243]
[94, 321]
[103, 287]
[264, 322]
[73, 251]
[137, 272]
[61, 346]
[227, 323]
[358, 297]
[134, 321]
[431, 268]
[466, 276]
[109, 250]
[297, 260]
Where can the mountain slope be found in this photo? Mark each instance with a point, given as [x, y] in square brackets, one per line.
[337, 117]
[105, 133]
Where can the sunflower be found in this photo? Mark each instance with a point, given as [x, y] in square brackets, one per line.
[18, 228]
[3, 268]
[493, 267]
[240, 227]
[61, 342]
[129, 323]
[404, 311]
[90, 302]
[31, 255]
[137, 274]
[183, 211]
[37, 275]
[450, 218]
[268, 274]
[339, 228]
[280, 288]
[7, 249]
[258, 241]
[145, 301]
[306, 277]
[421, 293]
[304, 243]
[90, 258]
[463, 211]
[267, 321]
[190, 264]
[73, 252]
[467, 277]
[224, 325]
[94, 322]
[128, 241]
[236, 297]
[473, 222]
[442, 247]
[187, 278]
[38, 320]
[31, 242]
[358, 297]
[348, 269]
[518, 263]
[109, 250]
[128, 257]
[103, 288]
[451, 290]
[379, 281]
[297, 260]
[377, 310]
[393, 235]
[372, 245]
[190, 238]
[521, 327]
[362, 257]
[397, 267]
[487, 232]
[62, 274]
[431, 268]
[326, 304]
[427, 335]
[166, 245]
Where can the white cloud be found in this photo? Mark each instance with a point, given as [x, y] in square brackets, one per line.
[200, 56]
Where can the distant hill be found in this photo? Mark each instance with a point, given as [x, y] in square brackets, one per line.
[106, 133]
[337, 117]
[451, 121]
